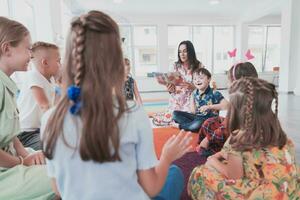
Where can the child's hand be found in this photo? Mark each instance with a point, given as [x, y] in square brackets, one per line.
[221, 155]
[36, 158]
[204, 108]
[204, 143]
[176, 146]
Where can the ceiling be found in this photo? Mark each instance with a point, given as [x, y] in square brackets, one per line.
[226, 8]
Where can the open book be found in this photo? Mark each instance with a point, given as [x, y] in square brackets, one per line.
[169, 78]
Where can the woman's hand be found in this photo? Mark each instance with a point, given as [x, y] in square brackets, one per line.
[36, 158]
[187, 85]
[176, 146]
[171, 88]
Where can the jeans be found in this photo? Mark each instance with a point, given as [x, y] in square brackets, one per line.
[173, 186]
[31, 139]
[188, 121]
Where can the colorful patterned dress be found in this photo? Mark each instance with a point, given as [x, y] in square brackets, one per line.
[269, 174]
[180, 100]
[129, 88]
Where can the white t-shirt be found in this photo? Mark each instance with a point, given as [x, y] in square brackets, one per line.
[88, 180]
[30, 112]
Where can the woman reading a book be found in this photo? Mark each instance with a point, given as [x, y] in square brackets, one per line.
[187, 62]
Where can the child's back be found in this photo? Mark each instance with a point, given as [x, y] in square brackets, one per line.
[97, 145]
[117, 178]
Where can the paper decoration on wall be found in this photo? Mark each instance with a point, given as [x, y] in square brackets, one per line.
[232, 53]
[248, 55]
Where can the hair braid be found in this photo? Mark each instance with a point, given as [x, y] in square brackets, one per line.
[249, 104]
[78, 41]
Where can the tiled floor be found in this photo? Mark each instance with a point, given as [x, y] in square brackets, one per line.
[289, 115]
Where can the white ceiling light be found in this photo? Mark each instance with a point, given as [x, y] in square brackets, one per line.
[214, 2]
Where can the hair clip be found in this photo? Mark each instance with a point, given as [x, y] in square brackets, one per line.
[74, 95]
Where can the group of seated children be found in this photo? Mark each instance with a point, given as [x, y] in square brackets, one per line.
[110, 141]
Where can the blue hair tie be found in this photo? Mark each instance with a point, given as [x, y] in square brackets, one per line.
[74, 96]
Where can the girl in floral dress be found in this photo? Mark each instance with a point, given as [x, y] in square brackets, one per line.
[258, 160]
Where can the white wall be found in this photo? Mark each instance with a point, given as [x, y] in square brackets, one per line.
[290, 48]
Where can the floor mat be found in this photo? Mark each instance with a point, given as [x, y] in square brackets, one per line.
[187, 162]
[161, 135]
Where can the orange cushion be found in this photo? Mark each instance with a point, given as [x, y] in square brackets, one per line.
[161, 135]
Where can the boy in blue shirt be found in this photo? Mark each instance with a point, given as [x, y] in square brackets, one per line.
[205, 103]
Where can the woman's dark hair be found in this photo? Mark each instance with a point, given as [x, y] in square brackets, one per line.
[194, 63]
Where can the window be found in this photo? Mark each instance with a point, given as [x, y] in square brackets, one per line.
[256, 45]
[273, 48]
[223, 42]
[140, 46]
[125, 32]
[211, 44]
[23, 12]
[264, 43]
[4, 8]
[203, 45]
[176, 34]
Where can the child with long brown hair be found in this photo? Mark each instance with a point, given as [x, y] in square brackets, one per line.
[258, 160]
[97, 146]
[22, 175]
[214, 132]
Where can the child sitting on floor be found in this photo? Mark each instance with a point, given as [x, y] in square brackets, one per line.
[22, 174]
[130, 89]
[205, 103]
[258, 159]
[213, 132]
[37, 93]
[109, 140]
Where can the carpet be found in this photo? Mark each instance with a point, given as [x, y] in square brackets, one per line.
[187, 162]
[155, 105]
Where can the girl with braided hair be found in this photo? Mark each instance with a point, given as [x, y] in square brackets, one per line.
[214, 132]
[258, 160]
[98, 146]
